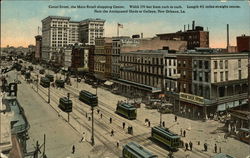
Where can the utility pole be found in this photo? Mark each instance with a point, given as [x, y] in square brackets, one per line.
[44, 139]
[37, 83]
[92, 137]
[68, 102]
[49, 93]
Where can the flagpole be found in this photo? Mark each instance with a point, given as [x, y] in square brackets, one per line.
[117, 29]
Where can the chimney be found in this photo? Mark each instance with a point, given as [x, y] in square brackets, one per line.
[141, 35]
[227, 35]
[193, 25]
[184, 28]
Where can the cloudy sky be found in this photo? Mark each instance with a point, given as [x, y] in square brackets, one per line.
[20, 19]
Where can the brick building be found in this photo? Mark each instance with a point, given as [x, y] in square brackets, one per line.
[38, 49]
[243, 43]
[196, 37]
[102, 57]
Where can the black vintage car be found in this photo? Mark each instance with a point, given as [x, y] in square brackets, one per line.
[42, 71]
[50, 77]
[31, 68]
[60, 83]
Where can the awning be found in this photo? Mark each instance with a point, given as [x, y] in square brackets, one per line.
[108, 83]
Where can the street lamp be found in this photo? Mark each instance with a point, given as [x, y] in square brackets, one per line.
[159, 110]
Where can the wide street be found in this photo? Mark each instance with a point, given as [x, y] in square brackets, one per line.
[61, 135]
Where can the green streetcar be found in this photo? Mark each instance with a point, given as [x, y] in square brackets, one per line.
[134, 150]
[166, 137]
[127, 110]
[50, 77]
[45, 82]
[88, 98]
[65, 104]
[60, 83]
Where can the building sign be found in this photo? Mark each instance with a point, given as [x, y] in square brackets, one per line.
[193, 98]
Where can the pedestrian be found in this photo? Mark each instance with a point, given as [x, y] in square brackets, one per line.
[89, 118]
[117, 143]
[112, 132]
[86, 115]
[215, 148]
[205, 146]
[101, 115]
[83, 137]
[73, 149]
[163, 124]
[175, 118]
[186, 145]
[184, 133]
[181, 131]
[110, 120]
[98, 111]
[148, 123]
[123, 125]
[190, 145]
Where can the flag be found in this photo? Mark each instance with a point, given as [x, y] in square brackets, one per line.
[120, 25]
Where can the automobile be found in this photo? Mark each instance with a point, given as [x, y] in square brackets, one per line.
[31, 68]
[42, 71]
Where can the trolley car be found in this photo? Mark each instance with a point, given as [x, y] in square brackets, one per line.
[60, 83]
[88, 98]
[45, 82]
[244, 135]
[27, 75]
[166, 137]
[127, 110]
[50, 77]
[65, 104]
[134, 150]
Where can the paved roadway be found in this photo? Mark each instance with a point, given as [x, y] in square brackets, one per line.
[196, 130]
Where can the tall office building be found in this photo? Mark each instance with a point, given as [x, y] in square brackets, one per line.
[58, 32]
[89, 29]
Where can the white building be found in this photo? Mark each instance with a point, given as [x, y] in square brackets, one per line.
[89, 29]
[59, 32]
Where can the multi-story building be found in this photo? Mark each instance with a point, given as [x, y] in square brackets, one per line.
[127, 44]
[218, 82]
[102, 57]
[59, 32]
[90, 29]
[55, 33]
[38, 51]
[142, 72]
[243, 43]
[196, 37]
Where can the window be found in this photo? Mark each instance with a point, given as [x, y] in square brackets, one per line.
[179, 63]
[195, 75]
[195, 63]
[200, 64]
[215, 64]
[239, 74]
[200, 76]
[239, 63]
[226, 75]
[215, 76]
[206, 64]
[184, 63]
[184, 74]
[206, 76]
[169, 72]
[221, 64]
[169, 62]
[226, 64]
[221, 76]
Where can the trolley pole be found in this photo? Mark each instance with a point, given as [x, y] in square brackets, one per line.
[92, 137]
[49, 94]
[44, 139]
[37, 84]
[68, 101]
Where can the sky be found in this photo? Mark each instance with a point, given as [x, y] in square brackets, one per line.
[20, 19]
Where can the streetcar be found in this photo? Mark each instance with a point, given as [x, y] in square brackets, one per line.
[127, 110]
[244, 135]
[27, 75]
[222, 155]
[45, 82]
[134, 150]
[166, 137]
[50, 77]
[88, 98]
[60, 83]
[65, 104]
